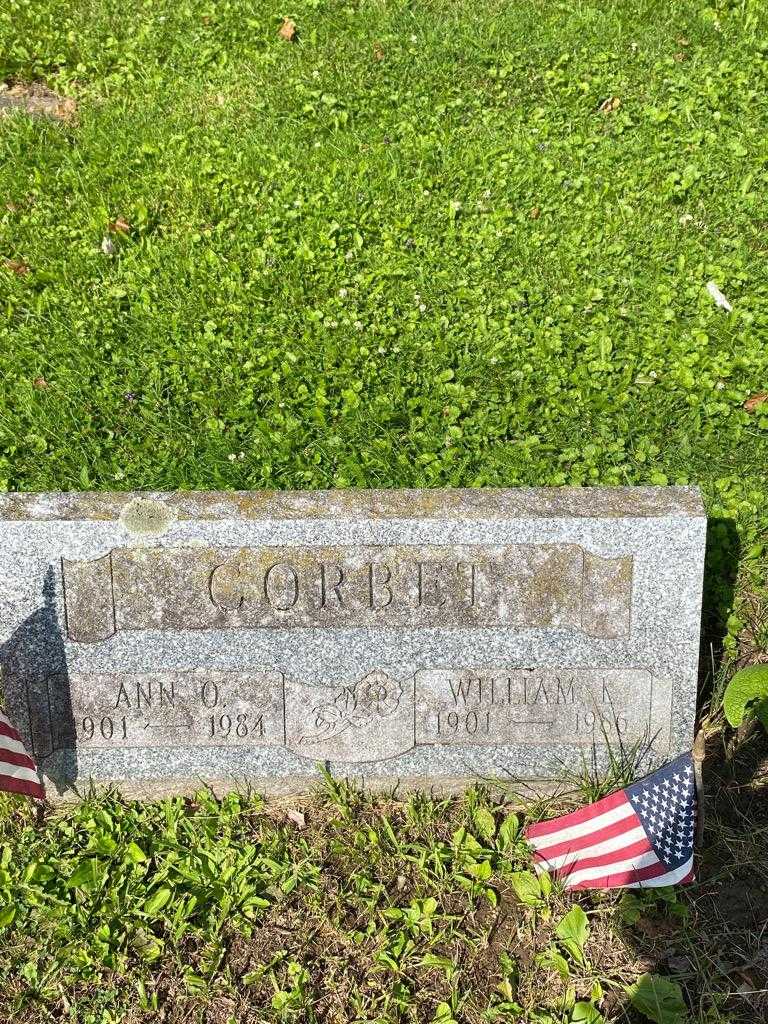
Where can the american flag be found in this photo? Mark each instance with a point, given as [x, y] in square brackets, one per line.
[639, 837]
[18, 772]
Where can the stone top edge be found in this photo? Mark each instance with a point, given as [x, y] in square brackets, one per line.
[452, 503]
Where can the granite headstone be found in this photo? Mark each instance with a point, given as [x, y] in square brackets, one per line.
[162, 641]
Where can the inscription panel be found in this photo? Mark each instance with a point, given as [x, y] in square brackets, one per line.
[374, 717]
[497, 706]
[526, 586]
[178, 709]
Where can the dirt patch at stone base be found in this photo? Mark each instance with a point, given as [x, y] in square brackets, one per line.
[36, 100]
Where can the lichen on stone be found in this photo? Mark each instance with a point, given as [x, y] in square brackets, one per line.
[147, 516]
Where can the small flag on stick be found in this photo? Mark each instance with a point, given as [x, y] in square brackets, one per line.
[639, 837]
[18, 772]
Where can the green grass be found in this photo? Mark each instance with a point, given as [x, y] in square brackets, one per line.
[408, 249]
[343, 909]
[333, 267]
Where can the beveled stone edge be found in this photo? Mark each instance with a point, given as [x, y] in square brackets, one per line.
[352, 503]
[304, 786]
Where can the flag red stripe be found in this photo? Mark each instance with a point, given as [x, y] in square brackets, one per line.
[9, 759]
[24, 786]
[605, 859]
[9, 731]
[622, 877]
[20, 760]
[608, 803]
[580, 842]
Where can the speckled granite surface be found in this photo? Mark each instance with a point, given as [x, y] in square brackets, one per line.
[161, 641]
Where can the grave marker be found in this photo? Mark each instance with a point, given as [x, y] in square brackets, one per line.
[428, 637]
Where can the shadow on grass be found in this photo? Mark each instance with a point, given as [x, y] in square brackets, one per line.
[721, 564]
[713, 937]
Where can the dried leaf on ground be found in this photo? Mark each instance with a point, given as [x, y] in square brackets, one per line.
[18, 267]
[298, 819]
[287, 30]
[378, 51]
[608, 106]
[755, 401]
[119, 225]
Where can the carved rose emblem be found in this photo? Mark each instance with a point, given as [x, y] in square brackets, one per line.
[376, 695]
[373, 696]
[327, 719]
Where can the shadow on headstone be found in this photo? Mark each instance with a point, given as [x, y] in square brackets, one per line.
[35, 684]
